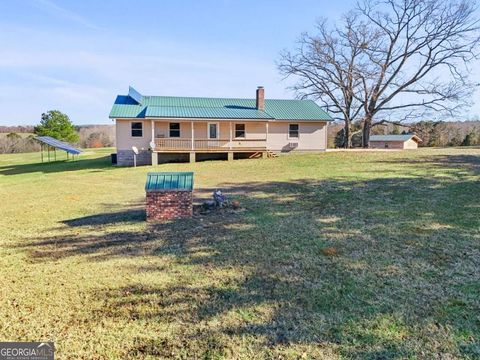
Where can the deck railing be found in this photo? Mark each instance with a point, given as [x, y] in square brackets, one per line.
[181, 144]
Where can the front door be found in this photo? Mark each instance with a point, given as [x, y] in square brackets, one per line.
[213, 130]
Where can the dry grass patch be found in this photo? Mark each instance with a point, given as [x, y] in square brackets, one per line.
[336, 255]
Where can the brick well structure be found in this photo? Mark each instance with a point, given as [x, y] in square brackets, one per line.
[169, 196]
[169, 205]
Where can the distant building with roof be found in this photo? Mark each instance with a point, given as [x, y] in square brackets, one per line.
[166, 128]
[406, 141]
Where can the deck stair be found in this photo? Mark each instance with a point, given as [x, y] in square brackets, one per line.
[259, 154]
[256, 155]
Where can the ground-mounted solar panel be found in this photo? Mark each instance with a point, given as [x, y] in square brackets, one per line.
[135, 95]
[58, 144]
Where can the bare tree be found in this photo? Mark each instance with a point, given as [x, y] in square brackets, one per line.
[418, 59]
[389, 61]
[328, 68]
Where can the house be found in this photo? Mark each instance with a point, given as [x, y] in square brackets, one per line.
[166, 128]
[407, 141]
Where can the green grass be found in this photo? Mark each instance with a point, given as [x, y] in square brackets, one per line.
[81, 267]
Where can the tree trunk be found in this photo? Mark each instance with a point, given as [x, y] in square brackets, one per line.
[347, 141]
[367, 126]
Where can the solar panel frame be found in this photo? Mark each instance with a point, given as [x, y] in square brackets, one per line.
[135, 95]
[59, 144]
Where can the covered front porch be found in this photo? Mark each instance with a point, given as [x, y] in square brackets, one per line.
[208, 136]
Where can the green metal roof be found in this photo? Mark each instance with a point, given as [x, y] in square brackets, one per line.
[216, 108]
[128, 111]
[204, 112]
[163, 181]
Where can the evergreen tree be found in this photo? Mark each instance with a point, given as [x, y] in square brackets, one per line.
[470, 139]
[57, 125]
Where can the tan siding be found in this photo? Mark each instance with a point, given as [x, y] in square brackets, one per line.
[124, 139]
[252, 130]
[312, 136]
[410, 144]
[162, 129]
[382, 144]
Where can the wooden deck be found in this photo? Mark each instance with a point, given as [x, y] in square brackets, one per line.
[209, 145]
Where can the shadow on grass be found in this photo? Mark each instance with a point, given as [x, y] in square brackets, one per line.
[101, 163]
[469, 164]
[109, 218]
[400, 282]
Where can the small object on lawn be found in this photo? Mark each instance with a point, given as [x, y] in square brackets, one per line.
[329, 251]
[135, 153]
[209, 204]
[236, 204]
[220, 199]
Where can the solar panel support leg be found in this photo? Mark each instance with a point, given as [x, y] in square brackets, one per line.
[48, 151]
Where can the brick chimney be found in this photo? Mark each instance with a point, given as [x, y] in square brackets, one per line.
[260, 98]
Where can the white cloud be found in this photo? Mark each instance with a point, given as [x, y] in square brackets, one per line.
[82, 75]
[66, 14]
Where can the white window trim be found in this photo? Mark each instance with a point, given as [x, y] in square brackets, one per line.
[179, 130]
[143, 130]
[288, 132]
[234, 131]
[208, 130]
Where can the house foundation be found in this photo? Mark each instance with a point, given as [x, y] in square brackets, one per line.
[125, 157]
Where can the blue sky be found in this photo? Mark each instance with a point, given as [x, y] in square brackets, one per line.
[76, 56]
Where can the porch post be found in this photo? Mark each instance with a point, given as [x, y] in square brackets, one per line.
[153, 130]
[152, 144]
[230, 136]
[193, 135]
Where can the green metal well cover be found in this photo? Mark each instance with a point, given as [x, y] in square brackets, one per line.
[164, 181]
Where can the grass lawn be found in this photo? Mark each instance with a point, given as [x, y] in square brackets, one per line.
[336, 255]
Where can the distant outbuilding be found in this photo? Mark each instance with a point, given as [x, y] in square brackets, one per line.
[406, 141]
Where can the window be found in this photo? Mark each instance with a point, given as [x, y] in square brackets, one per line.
[293, 131]
[213, 130]
[137, 129]
[175, 130]
[239, 130]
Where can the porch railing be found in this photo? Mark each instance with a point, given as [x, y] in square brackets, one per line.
[181, 144]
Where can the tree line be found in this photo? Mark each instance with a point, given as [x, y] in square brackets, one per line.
[388, 61]
[432, 133]
[18, 139]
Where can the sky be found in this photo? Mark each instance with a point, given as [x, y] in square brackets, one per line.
[76, 56]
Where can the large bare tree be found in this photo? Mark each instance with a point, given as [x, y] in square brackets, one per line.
[328, 68]
[419, 58]
[389, 60]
